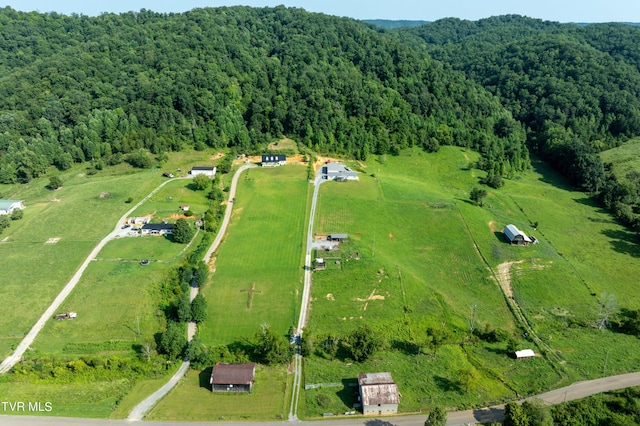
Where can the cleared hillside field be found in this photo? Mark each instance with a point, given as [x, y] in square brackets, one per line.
[77, 216]
[264, 249]
[427, 255]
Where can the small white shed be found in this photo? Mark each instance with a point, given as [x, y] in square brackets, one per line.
[525, 353]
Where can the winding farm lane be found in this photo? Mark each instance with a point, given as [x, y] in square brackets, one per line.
[140, 410]
[12, 359]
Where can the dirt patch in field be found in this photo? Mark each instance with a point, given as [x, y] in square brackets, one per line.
[330, 297]
[212, 264]
[493, 226]
[4, 240]
[504, 277]
[178, 216]
[372, 296]
[55, 200]
[217, 156]
[390, 236]
[53, 240]
[105, 194]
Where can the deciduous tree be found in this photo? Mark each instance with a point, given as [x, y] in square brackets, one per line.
[182, 231]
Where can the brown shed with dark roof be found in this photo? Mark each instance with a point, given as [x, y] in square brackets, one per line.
[233, 376]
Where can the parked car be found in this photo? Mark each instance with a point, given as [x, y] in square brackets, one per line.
[125, 226]
[167, 174]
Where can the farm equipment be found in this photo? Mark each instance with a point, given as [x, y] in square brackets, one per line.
[66, 315]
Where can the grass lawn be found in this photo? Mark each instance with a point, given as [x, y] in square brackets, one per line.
[262, 249]
[165, 204]
[192, 399]
[152, 247]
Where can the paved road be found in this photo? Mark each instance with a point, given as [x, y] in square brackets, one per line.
[140, 410]
[12, 359]
[485, 415]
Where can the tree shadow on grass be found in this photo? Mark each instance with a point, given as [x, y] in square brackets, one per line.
[446, 385]
[348, 394]
[407, 348]
[377, 422]
[623, 241]
[204, 378]
[488, 415]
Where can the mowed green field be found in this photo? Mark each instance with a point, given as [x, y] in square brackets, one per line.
[427, 255]
[79, 214]
[263, 248]
[112, 300]
[192, 399]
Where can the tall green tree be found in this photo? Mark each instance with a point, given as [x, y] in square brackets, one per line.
[201, 182]
[173, 341]
[437, 417]
[182, 231]
[199, 308]
[363, 343]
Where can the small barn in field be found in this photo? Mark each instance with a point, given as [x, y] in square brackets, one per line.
[338, 237]
[525, 353]
[203, 170]
[515, 236]
[378, 394]
[233, 376]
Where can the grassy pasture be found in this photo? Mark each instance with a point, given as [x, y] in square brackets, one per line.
[432, 254]
[89, 400]
[152, 247]
[33, 271]
[111, 299]
[625, 158]
[263, 246]
[165, 204]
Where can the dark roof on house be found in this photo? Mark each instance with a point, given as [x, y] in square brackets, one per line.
[273, 158]
[157, 226]
[207, 168]
[378, 388]
[233, 373]
[338, 236]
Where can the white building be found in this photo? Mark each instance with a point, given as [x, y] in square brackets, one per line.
[338, 172]
[209, 171]
[8, 206]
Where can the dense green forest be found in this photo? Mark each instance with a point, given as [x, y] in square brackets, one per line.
[576, 88]
[107, 89]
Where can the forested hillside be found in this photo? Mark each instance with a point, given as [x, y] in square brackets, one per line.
[576, 88]
[102, 89]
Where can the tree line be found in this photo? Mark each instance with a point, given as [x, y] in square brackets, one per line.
[575, 88]
[100, 89]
